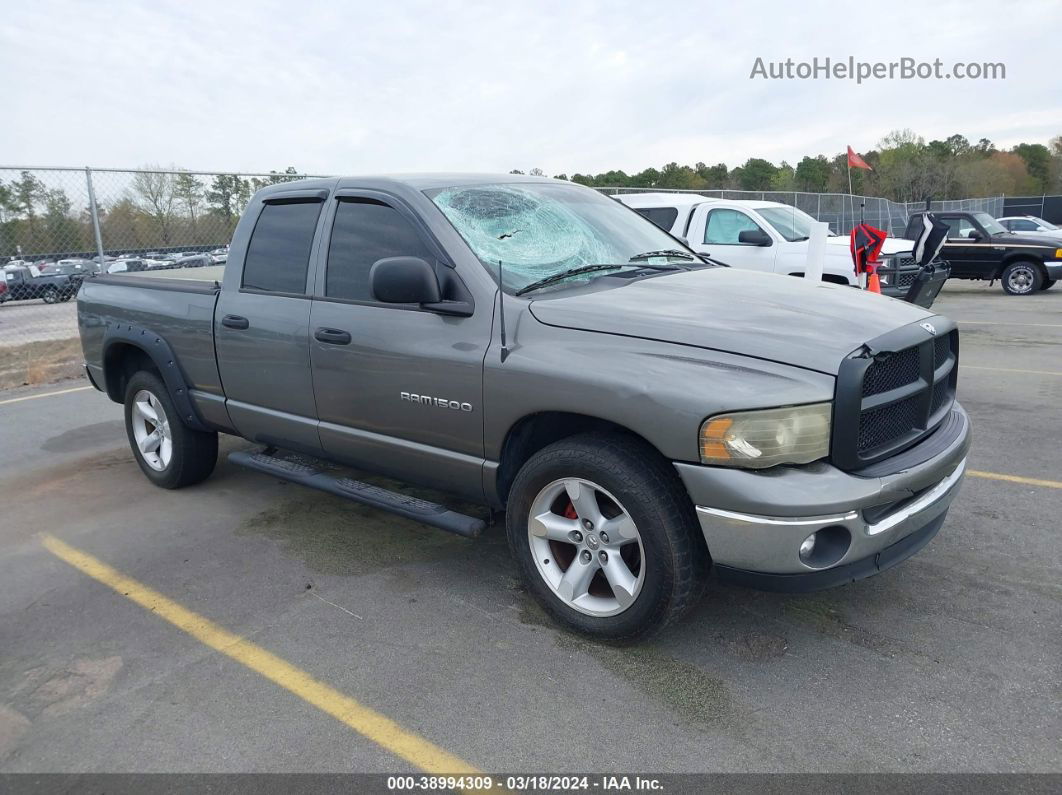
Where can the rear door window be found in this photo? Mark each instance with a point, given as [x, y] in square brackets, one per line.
[278, 254]
[664, 217]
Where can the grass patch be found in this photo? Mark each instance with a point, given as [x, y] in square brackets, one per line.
[40, 362]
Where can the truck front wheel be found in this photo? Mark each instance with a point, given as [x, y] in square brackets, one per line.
[606, 537]
[169, 453]
[1022, 278]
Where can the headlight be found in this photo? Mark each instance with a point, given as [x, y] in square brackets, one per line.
[766, 438]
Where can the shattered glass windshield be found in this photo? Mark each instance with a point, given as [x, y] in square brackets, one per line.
[540, 229]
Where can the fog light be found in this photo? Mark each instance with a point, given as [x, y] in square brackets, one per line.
[825, 547]
[807, 547]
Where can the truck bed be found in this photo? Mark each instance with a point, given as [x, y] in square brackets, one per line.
[176, 304]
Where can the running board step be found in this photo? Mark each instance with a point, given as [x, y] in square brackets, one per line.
[418, 510]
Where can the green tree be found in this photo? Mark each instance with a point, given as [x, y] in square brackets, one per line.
[784, 178]
[649, 178]
[1037, 158]
[226, 197]
[679, 177]
[188, 191]
[713, 177]
[63, 231]
[812, 174]
[756, 174]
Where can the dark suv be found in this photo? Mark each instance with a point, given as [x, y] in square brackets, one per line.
[979, 247]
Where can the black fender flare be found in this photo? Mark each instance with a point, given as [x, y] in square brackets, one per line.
[156, 348]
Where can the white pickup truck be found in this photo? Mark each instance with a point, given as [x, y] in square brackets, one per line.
[765, 236]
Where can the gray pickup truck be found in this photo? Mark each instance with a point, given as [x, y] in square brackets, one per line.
[641, 414]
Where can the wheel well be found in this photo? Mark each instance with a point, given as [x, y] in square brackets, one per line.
[832, 278]
[121, 362]
[538, 431]
[1015, 258]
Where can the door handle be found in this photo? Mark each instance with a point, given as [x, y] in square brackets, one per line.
[332, 336]
[235, 321]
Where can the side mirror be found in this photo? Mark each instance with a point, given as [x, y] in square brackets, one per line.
[977, 234]
[754, 237]
[404, 280]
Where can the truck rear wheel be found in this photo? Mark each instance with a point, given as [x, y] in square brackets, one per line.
[169, 453]
[606, 537]
[1022, 278]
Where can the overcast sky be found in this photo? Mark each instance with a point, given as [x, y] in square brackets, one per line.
[361, 87]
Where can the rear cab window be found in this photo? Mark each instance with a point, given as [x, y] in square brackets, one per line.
[278, 254]
[664, 217]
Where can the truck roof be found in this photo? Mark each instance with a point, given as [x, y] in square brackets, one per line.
[662, 199]
[418, 182]
[665, 199]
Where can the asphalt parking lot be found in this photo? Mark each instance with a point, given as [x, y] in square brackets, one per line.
[294, 601]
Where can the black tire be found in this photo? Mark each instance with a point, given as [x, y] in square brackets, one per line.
[50, 295]
[193, 453]
[1023, 277]
[1048, 284]
[675, 562]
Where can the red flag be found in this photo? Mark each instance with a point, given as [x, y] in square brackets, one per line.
[865, 245]
[855, 161]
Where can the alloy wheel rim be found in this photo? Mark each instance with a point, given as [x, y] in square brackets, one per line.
[586, 547]
[151, 430]
[1021, 279]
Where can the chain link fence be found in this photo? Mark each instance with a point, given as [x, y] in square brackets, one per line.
[59, 225]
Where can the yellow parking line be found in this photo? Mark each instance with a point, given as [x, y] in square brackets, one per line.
[365, 721]
[44, 395]
[1051, 484]
[963, 367]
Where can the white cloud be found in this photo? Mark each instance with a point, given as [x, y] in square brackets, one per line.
[566, 86]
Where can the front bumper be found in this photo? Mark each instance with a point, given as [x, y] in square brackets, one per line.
[754, 522]
[1054, 270]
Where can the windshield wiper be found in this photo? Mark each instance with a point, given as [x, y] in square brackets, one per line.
[666, 252]
[562, 275]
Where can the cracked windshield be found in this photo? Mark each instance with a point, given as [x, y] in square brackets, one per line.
[539, 231]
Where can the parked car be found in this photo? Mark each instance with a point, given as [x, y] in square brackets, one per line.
[27, 284]
[1030, 225]
[640, 416]
[194, 261]
[127, 266]
[219, 255]
[765, 236]
[979, 247]
[76, 265]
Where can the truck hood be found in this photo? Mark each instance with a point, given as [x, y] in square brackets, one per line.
[1054, 240]
[778, 318]
[892, 245]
